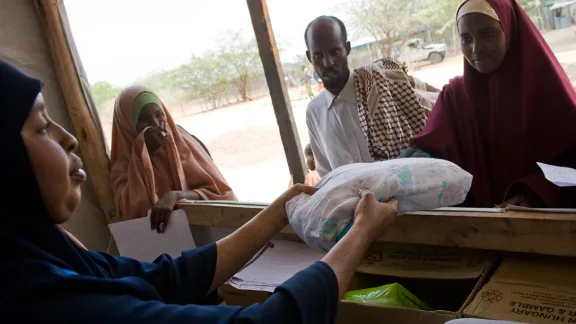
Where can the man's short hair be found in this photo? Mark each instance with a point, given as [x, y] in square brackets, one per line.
[343, 32]
[308, 151]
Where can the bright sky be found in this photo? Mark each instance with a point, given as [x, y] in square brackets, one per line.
[121, 40]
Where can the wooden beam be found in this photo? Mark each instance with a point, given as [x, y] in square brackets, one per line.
[278, 92]
[531, 232]
[76, 92]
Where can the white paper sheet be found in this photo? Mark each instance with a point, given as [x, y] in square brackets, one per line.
[276, 265]
[560, 176]
[543, 210]
[471, 209]
[136, 240]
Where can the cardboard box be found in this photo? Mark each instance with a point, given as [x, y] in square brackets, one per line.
[349, 312]
[444, 278]
[529, 289]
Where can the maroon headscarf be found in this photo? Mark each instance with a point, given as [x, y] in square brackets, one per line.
[498, 126]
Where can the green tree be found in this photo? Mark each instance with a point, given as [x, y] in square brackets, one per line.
[104, 91]
[162, 80]
[390, 22]
[240, 59]
[440, 14]
[202, 77]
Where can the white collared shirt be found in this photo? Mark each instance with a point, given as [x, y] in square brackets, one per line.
[336, 136]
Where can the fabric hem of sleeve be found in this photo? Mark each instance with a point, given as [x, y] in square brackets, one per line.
[317, 279]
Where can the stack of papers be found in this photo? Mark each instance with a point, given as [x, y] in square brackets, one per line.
[281, 261]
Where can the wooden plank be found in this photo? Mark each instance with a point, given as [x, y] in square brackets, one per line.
[540, 233]
[76, 93]
[278, 92]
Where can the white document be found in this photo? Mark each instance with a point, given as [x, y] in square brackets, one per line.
[543, 210]
[471, 209]
[136, 240]
[560, 176]
[276, 265]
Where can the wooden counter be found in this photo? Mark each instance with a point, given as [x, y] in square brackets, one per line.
[518, 231]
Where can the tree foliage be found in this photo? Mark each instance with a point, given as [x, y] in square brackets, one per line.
[162, 80]
[234, 64]
[391, 22]
[437, 14]
[232, 67]
[240, 58]
[204, 77]
[104, 91]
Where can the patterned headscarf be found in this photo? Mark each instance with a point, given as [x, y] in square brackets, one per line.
[389, 109]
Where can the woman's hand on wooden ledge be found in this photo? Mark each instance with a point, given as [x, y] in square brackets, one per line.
[161, 211]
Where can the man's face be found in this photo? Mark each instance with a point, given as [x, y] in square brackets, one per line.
[328, 53]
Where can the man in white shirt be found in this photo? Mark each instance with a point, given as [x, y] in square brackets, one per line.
[336, 135]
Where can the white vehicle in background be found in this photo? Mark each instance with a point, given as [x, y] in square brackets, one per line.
[414, 50]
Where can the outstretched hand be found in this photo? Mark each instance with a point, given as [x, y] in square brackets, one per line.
[278, 206]
[374, 215]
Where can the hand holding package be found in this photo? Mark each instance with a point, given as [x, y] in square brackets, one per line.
[417, 183]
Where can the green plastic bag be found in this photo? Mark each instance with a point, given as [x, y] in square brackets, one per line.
[393, 295]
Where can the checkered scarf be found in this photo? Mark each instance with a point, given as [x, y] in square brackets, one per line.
[389, 109]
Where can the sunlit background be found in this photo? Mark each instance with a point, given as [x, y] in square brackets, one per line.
[201, 57]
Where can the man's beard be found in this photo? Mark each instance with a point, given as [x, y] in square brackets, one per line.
[338, 80]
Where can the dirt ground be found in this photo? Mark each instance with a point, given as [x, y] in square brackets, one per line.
[245, 142]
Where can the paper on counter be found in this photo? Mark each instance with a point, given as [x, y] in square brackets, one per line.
[136, 240]
[543, 210]
[560, 176]
[276, 265]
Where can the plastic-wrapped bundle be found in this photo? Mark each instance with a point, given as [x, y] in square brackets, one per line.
[417, 183]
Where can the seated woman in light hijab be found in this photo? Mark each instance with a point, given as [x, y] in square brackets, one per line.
[46, 276]
[155, 163]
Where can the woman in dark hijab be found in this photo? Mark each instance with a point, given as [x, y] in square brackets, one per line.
[46, 276]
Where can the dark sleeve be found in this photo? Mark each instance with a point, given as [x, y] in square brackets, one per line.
[183, 280]
[413, 152]
[311, 296]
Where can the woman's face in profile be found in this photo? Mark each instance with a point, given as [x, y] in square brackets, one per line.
[58, 170]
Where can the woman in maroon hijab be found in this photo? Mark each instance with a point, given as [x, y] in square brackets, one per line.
[513, 107]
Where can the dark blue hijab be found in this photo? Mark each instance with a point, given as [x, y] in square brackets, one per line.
[34, 251]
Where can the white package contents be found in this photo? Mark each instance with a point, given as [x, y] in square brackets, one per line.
[417, 183]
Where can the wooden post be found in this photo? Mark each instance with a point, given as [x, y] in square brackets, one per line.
[81, 108]
[278, 92]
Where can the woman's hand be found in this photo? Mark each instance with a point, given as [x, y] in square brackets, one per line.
[155, 138]
[160, 212]
[371, 219]
[239, 247]
[374, 216]
[528, 199]
[312, 178]
[277, 208]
